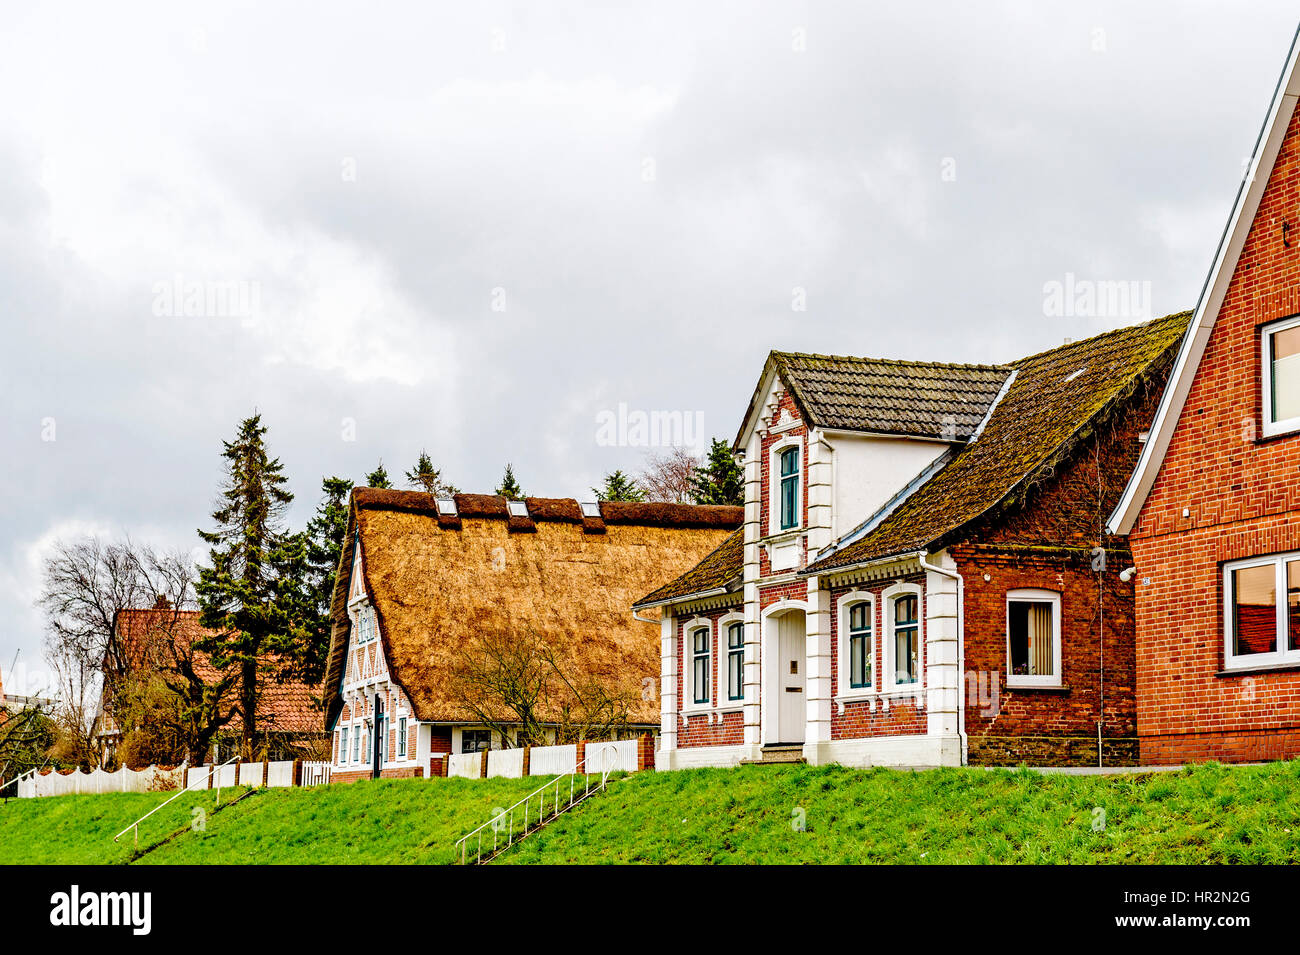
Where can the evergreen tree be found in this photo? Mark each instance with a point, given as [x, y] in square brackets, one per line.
[251, 595]
[619, 487]
[378, 478]
[720, 479]
[509, 487]
[425, 475]
[325, 535]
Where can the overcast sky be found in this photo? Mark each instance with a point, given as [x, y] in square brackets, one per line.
[475, 228]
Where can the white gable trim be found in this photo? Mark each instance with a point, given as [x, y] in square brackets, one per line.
[1234, 235]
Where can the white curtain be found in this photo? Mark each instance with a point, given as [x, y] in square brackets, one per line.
[1040, 640]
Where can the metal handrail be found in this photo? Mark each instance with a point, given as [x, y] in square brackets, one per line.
[136, 825]
[542, 796]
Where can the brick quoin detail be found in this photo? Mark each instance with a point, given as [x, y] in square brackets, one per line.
[1242, 497]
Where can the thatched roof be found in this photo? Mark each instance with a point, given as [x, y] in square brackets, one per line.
[1055, 402]
[287, 707]
[924, 399]
[437, 581]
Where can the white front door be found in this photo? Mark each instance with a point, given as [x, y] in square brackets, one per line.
[791, 708]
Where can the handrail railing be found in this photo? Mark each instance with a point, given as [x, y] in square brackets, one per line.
[505, 819]
[136, 825]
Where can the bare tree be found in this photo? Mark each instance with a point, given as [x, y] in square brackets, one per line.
[669, 476]
[519, 681]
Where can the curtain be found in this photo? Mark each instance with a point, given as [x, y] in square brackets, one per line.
[1040, 639]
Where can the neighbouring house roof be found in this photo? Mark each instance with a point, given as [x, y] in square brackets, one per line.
[718, 571]
[1053, 403]
[288, 707]
[437, 580]
[937, 400]
[1249, 193]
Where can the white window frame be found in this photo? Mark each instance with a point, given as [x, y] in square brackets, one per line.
[724, 658]
[343, 747]
[1280, 655]
[774, 485]
[1269, 427]
[1036, 595]
[887, 618]
[402, 740]
[688, 664]
[844, 688]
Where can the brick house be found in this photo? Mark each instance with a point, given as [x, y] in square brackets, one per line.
[422, 580]
[920, 577]
[162, 637]
[1212, 511]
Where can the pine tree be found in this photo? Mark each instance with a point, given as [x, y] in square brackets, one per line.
[325, 534]
[379, 478]
[619, 487]
[425, 475]
[251, 595]
[720, 479]
[509, 487]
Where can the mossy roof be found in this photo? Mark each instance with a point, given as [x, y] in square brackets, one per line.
[1052, 404]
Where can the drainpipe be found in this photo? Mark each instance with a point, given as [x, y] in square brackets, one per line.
[961, 646]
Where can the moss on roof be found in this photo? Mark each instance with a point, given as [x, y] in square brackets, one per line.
[942, 400]
[1055, 401]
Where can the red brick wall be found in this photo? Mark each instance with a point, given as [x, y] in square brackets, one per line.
[784, 404]
[906, 717]
[1243, 499]
[698, 731]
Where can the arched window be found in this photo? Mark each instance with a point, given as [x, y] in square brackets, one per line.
[736, 661]
[861, 645]
[701, 665]
[788, 493]
[904, 638]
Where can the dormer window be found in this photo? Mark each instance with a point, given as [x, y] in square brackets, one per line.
[788, 494]
[1280, 376]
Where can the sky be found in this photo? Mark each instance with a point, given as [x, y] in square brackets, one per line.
[488, 230]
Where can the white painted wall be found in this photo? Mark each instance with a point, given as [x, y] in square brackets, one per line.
[868, 471]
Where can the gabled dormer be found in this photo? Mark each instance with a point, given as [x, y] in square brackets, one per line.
[827, 440]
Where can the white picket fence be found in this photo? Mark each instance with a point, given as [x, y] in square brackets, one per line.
[149, 779]
[553, 760]
[465, 765]
[506, 762]
[614, 756]
[315, 773]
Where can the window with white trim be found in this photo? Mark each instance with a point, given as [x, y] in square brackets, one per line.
[356, 744]
[905, 638]
[1279, 354]
[401, 738]
[861, 645]
[1262, 611]
[788, 489]
[1033, 638]
[735, 661]
[343, 746]
[475, 741]
[701, 664]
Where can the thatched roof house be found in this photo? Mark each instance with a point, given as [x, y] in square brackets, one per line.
[421, 579]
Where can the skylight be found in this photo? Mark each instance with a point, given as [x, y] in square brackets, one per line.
[590, 509]
[517, 508]
[446, 505]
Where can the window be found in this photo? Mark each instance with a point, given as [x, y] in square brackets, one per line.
[401, 738]
[365, 625]
[475, 741]
[700, 665]
[906, 639]
[1033, 638]
[861, 644]
[736, 661]
[1280, 375]
[343, 746]
[789, 489]
[356, 743]
[1262, 611]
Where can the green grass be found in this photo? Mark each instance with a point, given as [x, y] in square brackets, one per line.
[79, 830]
[379, 821]
[1209, 814]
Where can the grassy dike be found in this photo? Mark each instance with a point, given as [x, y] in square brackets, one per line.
[795, 814]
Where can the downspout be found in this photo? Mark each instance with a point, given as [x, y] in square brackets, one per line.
[637, 616]
[961, 647]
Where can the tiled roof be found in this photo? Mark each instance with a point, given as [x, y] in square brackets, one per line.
[1051, 402]
[913, 398]
[288, 707]
[716, 570]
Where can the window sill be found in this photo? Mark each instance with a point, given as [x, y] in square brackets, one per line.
[782, 537]
[1261, 668]
[1038, 688]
